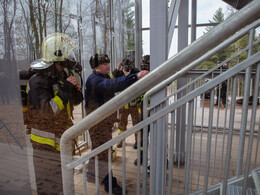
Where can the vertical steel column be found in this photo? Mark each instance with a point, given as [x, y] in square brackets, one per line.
[193, 20]
[138, 32]
[159, 53]
[181, 112]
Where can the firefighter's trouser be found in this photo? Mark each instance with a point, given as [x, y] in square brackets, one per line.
[99, 134]
[124, 113]
[47, 167]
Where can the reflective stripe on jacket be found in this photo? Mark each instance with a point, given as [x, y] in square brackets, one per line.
[44, 137]
[57, 105]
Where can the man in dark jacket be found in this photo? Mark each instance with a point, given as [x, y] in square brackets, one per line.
[99, 89]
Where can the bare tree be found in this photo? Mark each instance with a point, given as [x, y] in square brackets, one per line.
[93, 17]
[34, 28]
[61, 7]
[27, 30]
[102, 13]
[8, 63]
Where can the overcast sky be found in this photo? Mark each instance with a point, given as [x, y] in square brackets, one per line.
[205, 11]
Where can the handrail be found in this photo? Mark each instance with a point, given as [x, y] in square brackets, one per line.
[229, 73]
[242, 18]
[200, 60]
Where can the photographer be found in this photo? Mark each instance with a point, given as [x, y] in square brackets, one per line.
[124, 68]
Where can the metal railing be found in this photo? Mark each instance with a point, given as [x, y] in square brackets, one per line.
[196, 123]
[185, 60]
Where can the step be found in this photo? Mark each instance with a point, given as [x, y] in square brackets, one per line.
[256, 178]
[235, 184]
[237, 190]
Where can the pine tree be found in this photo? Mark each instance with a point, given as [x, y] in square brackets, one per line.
[130, 25]
[218, 17]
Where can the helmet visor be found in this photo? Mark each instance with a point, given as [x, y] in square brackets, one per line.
[40, 64]
[74, 55]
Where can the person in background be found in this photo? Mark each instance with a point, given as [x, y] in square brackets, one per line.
[100, 88]
[222, 88]
[145, 65]
[123, 69]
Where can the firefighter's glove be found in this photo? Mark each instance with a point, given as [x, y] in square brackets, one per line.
[66, 92]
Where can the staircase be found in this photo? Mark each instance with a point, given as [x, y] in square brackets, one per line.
[235, 184]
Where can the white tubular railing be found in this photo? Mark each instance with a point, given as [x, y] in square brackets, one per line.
[244, 17]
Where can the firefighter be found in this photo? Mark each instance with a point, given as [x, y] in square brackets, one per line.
[123, 69]
[145, 65]
[52, 92]
[99, 89]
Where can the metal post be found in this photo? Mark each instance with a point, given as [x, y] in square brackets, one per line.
[159, 53]
[138, 32]
[193, 20]
[67, 175]
[181, 112]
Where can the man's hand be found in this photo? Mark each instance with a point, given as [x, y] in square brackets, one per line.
[74, 81]
[125, 72]
[118, 66]
[142, 73]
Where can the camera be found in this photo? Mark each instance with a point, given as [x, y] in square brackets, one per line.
[127, 65]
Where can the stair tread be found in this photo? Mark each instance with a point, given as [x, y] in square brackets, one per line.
[256, 178]
[238, 190]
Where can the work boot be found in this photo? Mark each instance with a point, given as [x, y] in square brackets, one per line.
[148, 169]
[135, 145]
[119, 145]
[141, 159]
[116, 189]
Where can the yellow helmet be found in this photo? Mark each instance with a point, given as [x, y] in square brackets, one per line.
[56, 47]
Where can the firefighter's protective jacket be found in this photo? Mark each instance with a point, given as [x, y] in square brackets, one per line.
[50, 103]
